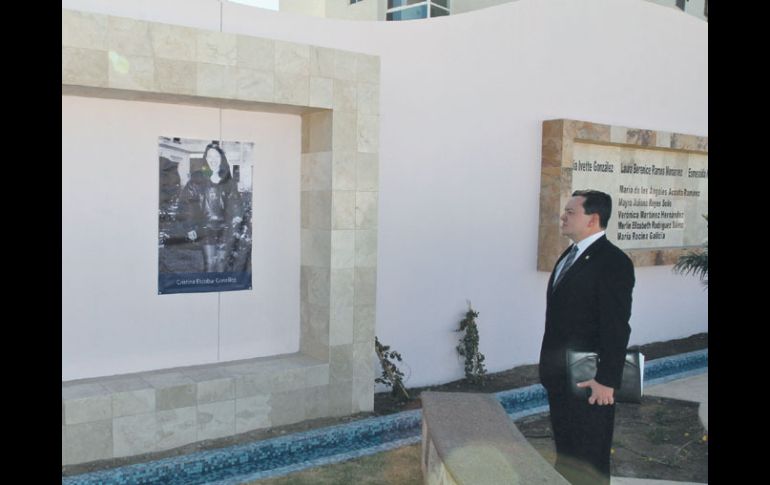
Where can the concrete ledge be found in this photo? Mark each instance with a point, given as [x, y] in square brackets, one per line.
[132, 414]
[469, 439]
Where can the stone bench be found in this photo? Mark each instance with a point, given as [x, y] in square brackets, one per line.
[149, 412]
[468, 439]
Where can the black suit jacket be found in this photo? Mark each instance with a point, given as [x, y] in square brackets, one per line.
[588, 310]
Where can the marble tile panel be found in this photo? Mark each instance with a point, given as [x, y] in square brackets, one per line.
[216, 48]
[342, 311]
[318, 285]
[367, 171]
[176, 427]
[364, 325]
[316, 402]
[592, 131]
[292, 58]
[129, 403]
[287, 407]
[685, 142]
[322, 62]
[136, 73]
[344, 170]
[163, 379]
[641, 137]
[343, 209]
[345, 97]
[368, 99]
[619, 134]
[341, 398]
[176, 77]
[344, 132]
[129, 37]
[252, 413]
[174, 42]
[216, 420]
[366, 285]
[343, 249]
[551, 152]
[289, 379]
[316, 376]
[368, 133]
[86, 67]
[316, 209]
[255, 85]
[367, 69]
[345, 65]
[88, 441]
[84, 30]
[341, 362]
[253, 384]
[291, 88]
[315, 248]
[321, 92]
[315, 342]
[81, 390]
[363, 395]
[316, 171]
[174, 397]
[255, 53]
[663, 139]
[366, 248]
[366, 210]
[88, 409]
[134, 435]
[317, 132]
[216, 390]
[217, 81]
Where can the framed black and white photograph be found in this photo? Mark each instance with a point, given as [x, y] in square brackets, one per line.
[204, 215]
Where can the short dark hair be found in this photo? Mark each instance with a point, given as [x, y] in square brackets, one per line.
[596, 203]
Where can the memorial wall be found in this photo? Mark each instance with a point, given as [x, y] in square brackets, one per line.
[658, 182]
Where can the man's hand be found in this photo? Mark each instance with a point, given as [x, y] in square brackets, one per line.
[600, 394]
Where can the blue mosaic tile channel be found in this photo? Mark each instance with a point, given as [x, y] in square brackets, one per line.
[278, 456]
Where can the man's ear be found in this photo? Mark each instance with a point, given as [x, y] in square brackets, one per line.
[594, 221]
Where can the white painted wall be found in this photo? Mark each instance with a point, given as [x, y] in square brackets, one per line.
[113, 320]
[462, 101]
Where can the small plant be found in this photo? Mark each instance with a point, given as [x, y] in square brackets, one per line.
[469, 347]
[695, 262]
[391, 375]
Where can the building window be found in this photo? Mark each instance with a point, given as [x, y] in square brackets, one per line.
[416, 9]
[355, 1]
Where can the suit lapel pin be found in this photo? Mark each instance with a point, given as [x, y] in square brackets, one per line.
[587, 257]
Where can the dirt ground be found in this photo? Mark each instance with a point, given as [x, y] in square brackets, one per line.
[526, 375]
[659, 438]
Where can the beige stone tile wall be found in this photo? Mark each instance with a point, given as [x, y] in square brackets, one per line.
[337, 94]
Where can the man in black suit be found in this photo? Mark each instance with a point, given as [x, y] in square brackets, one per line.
[588, 308]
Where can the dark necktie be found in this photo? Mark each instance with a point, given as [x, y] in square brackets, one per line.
[567, 263]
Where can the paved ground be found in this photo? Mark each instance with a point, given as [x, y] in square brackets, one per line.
[689, 389]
